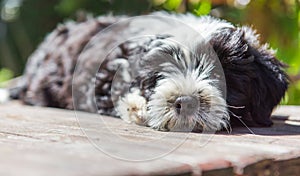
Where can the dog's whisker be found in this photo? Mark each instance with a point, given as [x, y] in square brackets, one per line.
[241, 120]
[236, 107]
[239, 117]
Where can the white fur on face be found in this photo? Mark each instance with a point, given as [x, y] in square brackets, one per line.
[160, 113]
[194, 82]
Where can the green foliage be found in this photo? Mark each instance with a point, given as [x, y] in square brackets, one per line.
[172, 4]
[67, 8]
[202, 8]
[197, 7]
[5, 75]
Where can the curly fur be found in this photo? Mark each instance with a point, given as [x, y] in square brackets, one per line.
[146, 77]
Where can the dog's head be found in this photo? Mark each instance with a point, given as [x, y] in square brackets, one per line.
[175, 87]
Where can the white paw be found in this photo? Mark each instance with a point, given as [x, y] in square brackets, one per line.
[4, 95]
[132, 108]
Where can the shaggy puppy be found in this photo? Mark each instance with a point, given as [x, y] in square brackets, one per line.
[216, 75]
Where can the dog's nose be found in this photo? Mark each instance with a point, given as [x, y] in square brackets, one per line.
[186, 105]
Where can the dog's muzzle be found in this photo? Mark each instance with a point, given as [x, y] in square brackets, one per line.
[186, 105]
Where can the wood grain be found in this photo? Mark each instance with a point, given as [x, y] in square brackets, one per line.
[47, 141]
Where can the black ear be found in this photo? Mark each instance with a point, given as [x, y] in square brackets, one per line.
[255, 79]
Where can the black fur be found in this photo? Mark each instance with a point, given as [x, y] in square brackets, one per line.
[254, 77]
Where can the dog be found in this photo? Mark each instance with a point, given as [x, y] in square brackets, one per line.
[215, 77]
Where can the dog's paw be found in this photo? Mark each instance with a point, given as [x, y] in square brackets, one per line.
[132, 108]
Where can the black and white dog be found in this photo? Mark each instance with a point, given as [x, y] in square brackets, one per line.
[169, 72]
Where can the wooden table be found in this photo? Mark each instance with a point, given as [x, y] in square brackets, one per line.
[46, 141]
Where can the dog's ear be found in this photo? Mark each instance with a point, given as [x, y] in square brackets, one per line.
[255, 79]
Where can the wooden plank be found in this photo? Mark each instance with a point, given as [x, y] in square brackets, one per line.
[47, 141]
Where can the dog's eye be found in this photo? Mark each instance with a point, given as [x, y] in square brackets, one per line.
[200, 92]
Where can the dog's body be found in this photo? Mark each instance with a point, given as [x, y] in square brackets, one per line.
[155, 81]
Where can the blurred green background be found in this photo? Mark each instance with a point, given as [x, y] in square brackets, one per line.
[25, 23]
